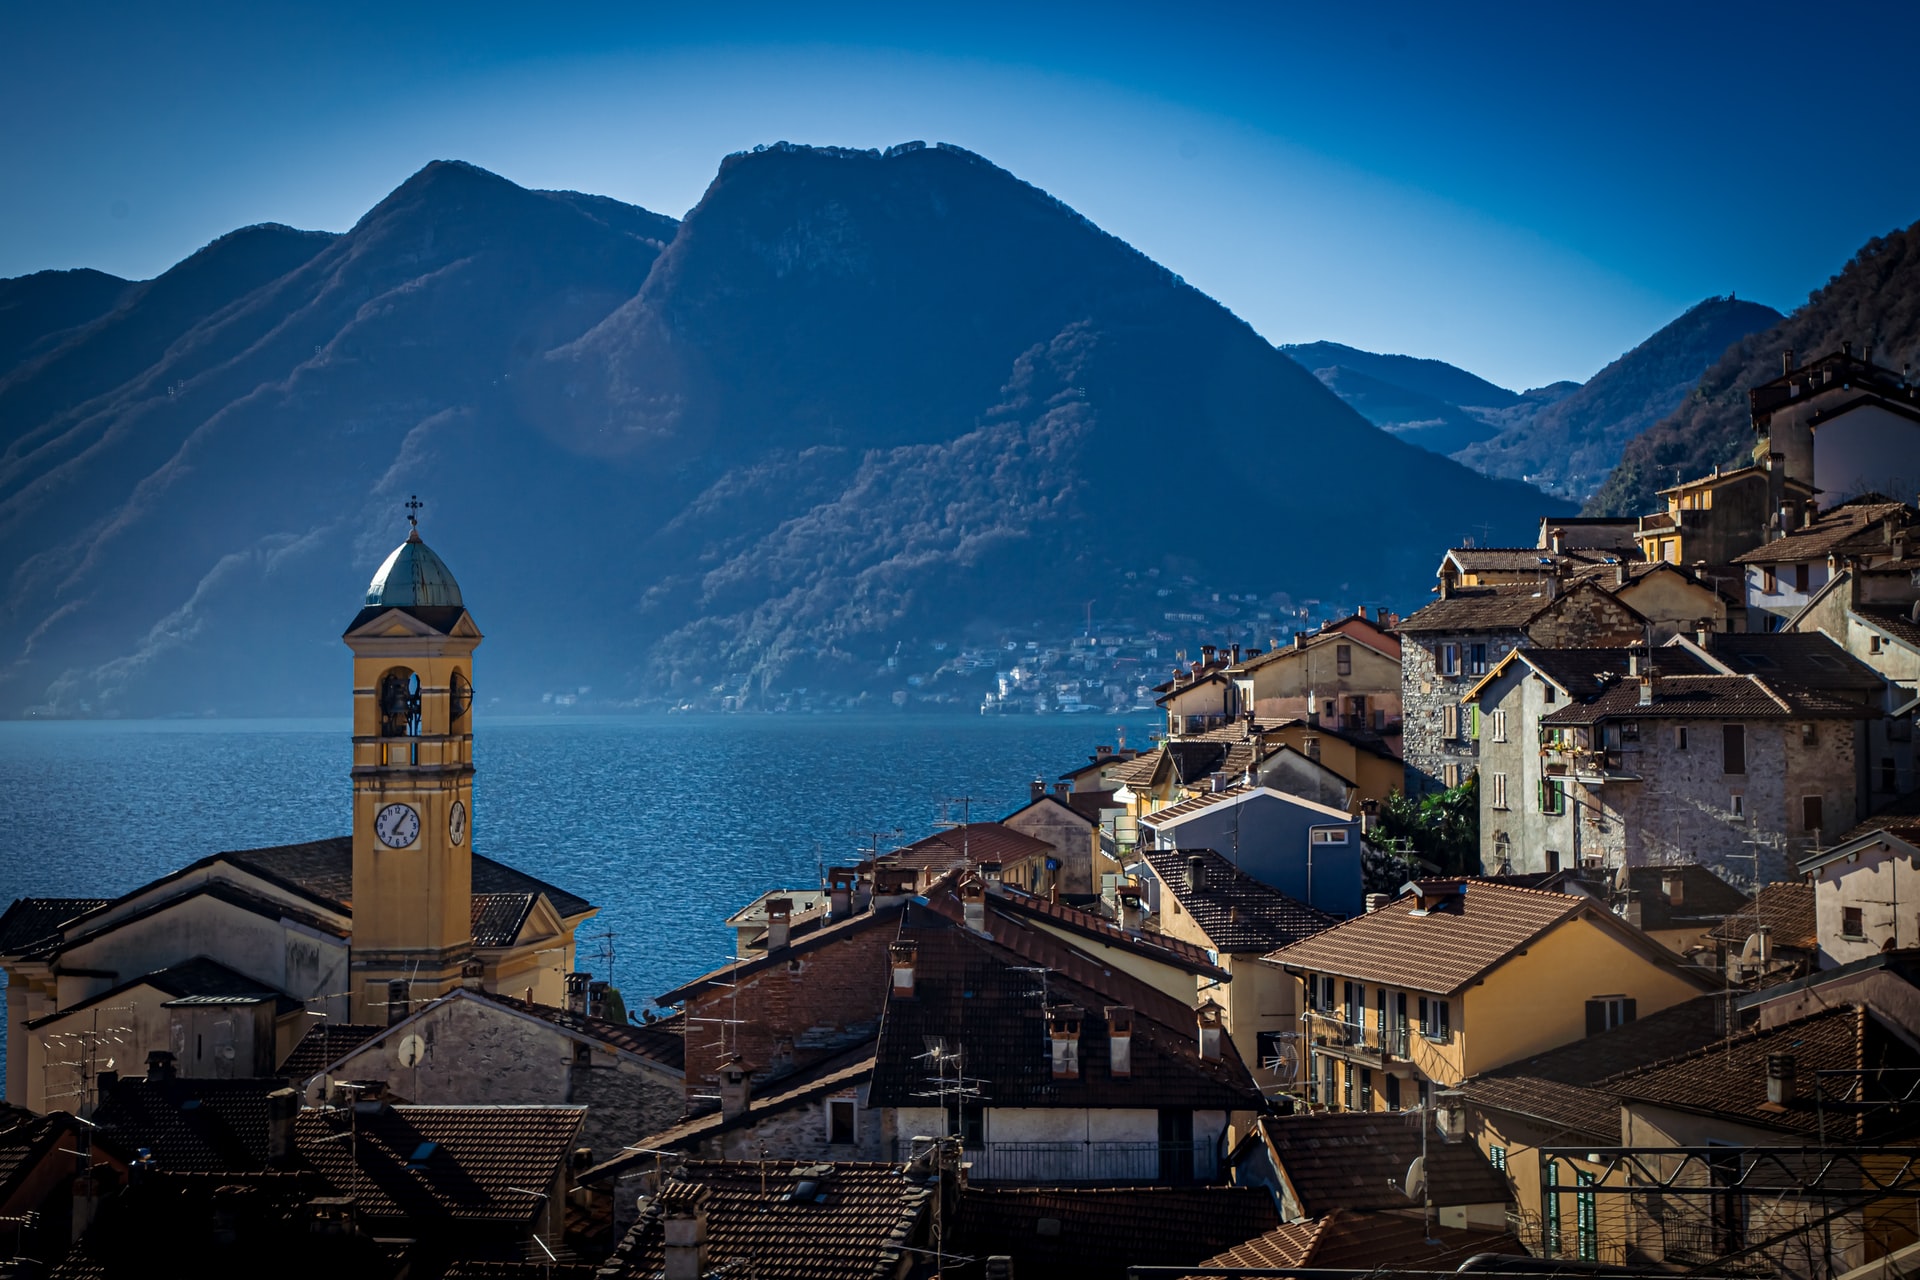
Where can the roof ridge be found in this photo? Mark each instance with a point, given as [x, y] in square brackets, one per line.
[1726, 1043]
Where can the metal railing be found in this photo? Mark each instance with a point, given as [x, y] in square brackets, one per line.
[1335, 1031]
[1089, 1162]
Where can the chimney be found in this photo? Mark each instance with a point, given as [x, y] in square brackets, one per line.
[779, 924]
[892, 886]
[685, 1220]
[1132, 914]
[1448, 580]
[1621, 573]
[159, 1065]
[473, 975]
[1375, 901]
[1299, 639]
[992, 877]
[736, 1088]
[1102, 753]
[1557, 540]
[1119, 1041]
[840, 887]
[1847, 349]
[1703, 637]
[1633, 663]
[1674, 885]
[902, 956]
[577, 992]
[1646, 690]
[1313, 748]
[1063, 789]
[1206, 654]
[1781, 1070]
[597, 999]
[1037, 789]
[1196, 874]
[973, 906]
[1236, 654]
[283, 1106]
[1063, 1034]
[1211, 1030]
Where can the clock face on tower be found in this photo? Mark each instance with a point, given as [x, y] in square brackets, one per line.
[457, 822]
[397, 826]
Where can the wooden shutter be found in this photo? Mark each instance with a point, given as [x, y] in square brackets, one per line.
[1596, 1017]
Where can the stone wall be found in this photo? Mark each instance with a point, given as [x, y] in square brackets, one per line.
[1424, 696]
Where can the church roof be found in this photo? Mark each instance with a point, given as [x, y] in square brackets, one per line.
[413, 576]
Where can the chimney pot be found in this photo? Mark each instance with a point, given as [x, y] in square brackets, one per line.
[1063, 1034]
[1037, 789]
[1781, 1070]
[736, 1087]
[1210, 1029]
[1131, 912]
[973, 906]
[577, 992]
[779, 923]
[1196, 874]
[1375, 901]
[1063, 789]
[1557, 540]
[902, 955]
[685, 1245]
[1119, 1041]
[160, 1065]
[840, 888]
[1674, 886]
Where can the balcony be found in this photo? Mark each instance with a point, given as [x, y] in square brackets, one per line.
[1088, 1163]
[1333, 1031]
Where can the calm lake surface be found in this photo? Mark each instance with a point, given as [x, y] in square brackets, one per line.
[668, 824]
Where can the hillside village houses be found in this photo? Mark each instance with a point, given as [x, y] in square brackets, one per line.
[1188, 1003]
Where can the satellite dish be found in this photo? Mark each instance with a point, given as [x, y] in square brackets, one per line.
[412, 1049]
[1415, 1186]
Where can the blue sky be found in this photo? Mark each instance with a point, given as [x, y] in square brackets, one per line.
[1525, 190]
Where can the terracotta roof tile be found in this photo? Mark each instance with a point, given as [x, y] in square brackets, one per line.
[1896, 622]
[1096, 1233]
[663, 1040]
[843, 1071]
[1704, 897]
[1507, 607]
[1360, 1240]
[1729, 1077]
[975, 842]
[1237, 912]
[1351, 1160]
[1785, 907]
[1441, 951]
[1807, 659]
[497, 917]
[1586, 673]
[1714, 698]
[840, 1221]
[324, 868]
[34, 920]
[325, 1044]
[1850, 527]
[191, 1125]
[1153, 946]
[437, 1163]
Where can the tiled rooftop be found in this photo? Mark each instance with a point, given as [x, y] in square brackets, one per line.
[1714, 698]
[191, 1125]
[974, 842]
[1153, 946]
[325, 1044]
[1097, 1233]
[1808, 660]
[1729, 1077]
[839, 1221]
[1704, 896]
[1439, 952]
[1507, 607]
[33, 920]
[1238, 913]
[1360, 1240]
[663, 1041]
[428, 1163]
[1563, 1086]
[1900, 818]
[988, 999]
[324, 868]
[1849, 528]
[1351, 1159]
[1893, 620]
[25, 1139]
[1785, 907]
[198, 977]
[1580, 671]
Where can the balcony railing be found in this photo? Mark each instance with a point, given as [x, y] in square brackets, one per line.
[1335, 1031]
[1089, 1162]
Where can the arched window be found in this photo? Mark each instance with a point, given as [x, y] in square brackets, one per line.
[459, 700]
[399, 704]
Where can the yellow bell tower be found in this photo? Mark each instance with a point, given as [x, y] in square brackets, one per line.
[413, 644]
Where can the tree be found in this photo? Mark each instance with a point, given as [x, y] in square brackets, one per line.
[1443, 828]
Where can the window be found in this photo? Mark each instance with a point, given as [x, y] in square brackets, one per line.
[1366, 1089]
[1497, 1157]
[1499, 726]
[1353, 1002]
[1680, 737]
[1357, 712]
[1553, 795]
[1604, 1013]
[1548, 693]
[1450, 721]
[1393, 1092]
[1497, 790]
[840, 1121]
[1802, 578]
[1343, 659]
[1769, 582]
[1477, 659]
[1449, 659]
[1873, 644]
[1733, 748]
[1737, 805]
[1434, 1018]
[1450, 776]
[1810, 807]
[1329, 835]
[1851, 923]
[1346, 1087]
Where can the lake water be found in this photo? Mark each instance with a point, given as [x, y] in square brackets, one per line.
[667, 824]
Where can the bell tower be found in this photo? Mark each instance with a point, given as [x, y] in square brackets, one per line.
[413, 644]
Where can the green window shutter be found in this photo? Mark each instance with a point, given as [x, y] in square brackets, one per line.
[1476, 721]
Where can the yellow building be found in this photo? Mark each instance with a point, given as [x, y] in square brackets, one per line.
[1457, 977]
[1202, 899]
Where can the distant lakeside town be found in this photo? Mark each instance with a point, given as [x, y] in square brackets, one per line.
[1567, 925]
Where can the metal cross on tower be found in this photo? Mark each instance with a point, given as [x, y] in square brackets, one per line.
[413, 504]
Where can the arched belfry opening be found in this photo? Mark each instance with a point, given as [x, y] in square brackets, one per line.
[400, 704]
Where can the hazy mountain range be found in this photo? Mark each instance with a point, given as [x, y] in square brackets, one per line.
[851, 397]
[1566, 437]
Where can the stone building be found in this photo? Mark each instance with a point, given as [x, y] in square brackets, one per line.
[1739, 773]
[1840, 421]
[1449, 645]
[1781, 576]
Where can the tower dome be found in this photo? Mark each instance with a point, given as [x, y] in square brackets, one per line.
[413, 576]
